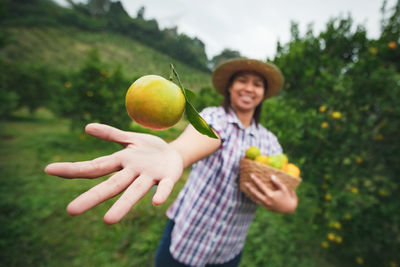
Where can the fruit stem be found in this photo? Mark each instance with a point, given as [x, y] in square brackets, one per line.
[171, 73]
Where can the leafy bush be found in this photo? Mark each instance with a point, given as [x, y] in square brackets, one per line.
[8, 98]
[93, 94]
[337, 119]
[206, 97]
[26, 85]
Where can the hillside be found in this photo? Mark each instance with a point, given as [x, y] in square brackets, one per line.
[66, 48]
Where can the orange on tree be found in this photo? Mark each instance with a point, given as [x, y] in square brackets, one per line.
[155, 102]
[392, 45]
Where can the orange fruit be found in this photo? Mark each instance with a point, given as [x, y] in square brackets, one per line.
[155, 102]
[291, 169]
[252, 152]
[392, 45]
[262, 159]
[278, 161]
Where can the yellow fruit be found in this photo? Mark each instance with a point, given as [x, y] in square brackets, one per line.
[331, 236]
[262, 159]
[336, 115]
[278, 161]
[291, 169]
[285, 159]
[252, 152]
[154, 102]
[324, 125]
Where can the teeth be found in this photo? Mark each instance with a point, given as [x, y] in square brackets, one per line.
[246, 98]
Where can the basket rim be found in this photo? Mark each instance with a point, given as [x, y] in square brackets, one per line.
[267, 167]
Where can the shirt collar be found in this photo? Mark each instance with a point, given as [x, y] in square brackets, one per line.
[232, 118]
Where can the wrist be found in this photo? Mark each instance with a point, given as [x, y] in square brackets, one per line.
[179, 151]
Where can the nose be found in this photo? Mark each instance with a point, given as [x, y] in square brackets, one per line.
[249, 86]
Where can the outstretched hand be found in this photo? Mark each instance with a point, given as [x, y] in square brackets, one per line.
[145, 160]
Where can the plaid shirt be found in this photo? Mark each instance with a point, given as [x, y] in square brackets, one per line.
[211, 215]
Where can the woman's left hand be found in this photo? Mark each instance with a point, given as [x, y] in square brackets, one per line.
[280, 200]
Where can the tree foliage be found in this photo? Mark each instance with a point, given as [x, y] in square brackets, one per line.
[223, 56]
[93, 93]
[340, 121]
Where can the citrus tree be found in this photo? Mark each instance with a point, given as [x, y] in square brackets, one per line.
[338, 117]
[94, 94]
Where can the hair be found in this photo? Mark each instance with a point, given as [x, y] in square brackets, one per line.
[226, 103]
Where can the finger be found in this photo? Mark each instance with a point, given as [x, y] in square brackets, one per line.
[128, 199]
[258, 197]
[260, 185]
[164, 189]
[101, 192]
[108, 133]
[85, 169]
[277, 183]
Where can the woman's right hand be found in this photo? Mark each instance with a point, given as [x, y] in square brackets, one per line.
[146, 160]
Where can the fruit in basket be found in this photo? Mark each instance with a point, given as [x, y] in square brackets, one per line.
[291, 169]
[262, 159]
[252, 152]
[278, 161]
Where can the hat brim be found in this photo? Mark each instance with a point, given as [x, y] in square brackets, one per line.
[271, 73]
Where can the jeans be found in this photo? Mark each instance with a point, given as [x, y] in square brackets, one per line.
[165, 259]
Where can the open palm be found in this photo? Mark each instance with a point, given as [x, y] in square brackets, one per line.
[145, 160]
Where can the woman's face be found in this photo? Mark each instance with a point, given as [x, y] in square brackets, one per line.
[246, 91]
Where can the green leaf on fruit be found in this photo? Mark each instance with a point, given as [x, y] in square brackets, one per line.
[191, 113]
[190, 94]
[197, 121]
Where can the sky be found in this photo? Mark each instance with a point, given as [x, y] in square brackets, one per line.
[253, 27]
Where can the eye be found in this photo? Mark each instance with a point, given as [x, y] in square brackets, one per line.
[258, 84]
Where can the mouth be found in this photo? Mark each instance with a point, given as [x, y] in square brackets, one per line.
[246, 98]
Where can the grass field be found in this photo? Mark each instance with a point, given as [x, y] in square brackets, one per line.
[37, 231]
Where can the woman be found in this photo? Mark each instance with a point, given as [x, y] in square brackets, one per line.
[210, 218]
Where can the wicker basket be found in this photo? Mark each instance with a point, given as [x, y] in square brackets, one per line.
[263, 172]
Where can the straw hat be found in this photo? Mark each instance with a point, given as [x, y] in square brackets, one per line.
[223, 73]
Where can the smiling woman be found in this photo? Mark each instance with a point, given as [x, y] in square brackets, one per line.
[262, 74]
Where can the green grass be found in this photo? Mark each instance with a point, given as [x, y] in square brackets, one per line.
[66, 48]
[37, 231]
